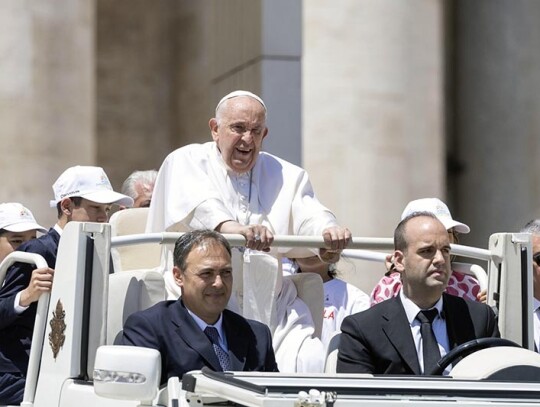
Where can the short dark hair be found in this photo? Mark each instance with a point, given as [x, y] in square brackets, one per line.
[76, 201]
[196, 238]
[400, 242]
[532, 226]
[2, 232]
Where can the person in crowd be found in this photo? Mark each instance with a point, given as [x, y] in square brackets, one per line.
[81, 193]
[341, 299]
[140, 186]
[196, 330]
[460, 284]
[231, 186]
[533, 227]
[17, 226]
[409, 333]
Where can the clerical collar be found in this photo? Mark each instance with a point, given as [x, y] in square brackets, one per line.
[412, 310]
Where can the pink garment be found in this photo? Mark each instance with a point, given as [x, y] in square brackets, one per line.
[459, 284]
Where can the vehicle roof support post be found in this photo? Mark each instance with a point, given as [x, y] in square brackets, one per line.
[65, 351]
[510, 283]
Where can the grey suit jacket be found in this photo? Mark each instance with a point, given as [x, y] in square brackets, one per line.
[379, 340]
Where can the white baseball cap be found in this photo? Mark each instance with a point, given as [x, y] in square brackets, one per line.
[16, 218]
[89, 183]
[439, 209]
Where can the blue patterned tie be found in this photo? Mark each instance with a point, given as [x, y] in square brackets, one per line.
[223, 356]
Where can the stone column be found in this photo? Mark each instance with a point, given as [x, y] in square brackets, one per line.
[135, 88]
[256, 45]
[46, 97]
[497, 105]
[373, 122]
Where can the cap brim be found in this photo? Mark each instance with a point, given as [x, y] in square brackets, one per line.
[24, 227]
[457, 226]
[108, 197]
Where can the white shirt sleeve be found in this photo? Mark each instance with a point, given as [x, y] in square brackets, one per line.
[19, 309]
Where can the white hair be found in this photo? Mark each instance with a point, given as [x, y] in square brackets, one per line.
[532, 226]
[146, 178]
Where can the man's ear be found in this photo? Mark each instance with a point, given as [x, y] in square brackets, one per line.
[213, 124]
[398, 260]
[265, 132]
[178, 276]
[66, 205]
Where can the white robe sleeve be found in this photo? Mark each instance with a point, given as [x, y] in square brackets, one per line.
[186, 180]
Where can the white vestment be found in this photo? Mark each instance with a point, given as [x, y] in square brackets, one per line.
[195, 189]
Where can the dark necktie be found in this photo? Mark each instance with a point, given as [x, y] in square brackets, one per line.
[223, 356]
[430, 346]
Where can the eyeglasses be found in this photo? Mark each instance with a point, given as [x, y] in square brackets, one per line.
[536, 258]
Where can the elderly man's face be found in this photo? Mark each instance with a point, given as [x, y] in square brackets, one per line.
[240, 132]
[206, 282]
[144, 195]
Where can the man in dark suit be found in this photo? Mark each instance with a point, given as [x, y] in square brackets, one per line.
[83, 194]
[390, 337]
[182, 329]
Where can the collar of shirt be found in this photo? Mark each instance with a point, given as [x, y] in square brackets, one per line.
[439, 329]
[218, 325]
[536, 304]
[411, 309]
[58, 229]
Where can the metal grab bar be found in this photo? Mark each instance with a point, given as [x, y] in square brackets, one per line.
[20, 257]
[358, 244]
[373, 243]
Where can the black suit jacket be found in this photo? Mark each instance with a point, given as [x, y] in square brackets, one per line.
[16, 329]
[168, 327]
[379, 340]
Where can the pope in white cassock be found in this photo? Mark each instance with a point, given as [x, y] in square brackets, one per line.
[229, 185]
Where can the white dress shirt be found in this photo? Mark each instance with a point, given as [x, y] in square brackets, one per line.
[218, 325]
[439, 329]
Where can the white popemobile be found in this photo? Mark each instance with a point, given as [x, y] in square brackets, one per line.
[74, 361]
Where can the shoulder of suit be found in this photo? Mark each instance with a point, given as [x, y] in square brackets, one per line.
[158, 308]
[43, 244]
[239, 320]
[373, 312]
[455, 301]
